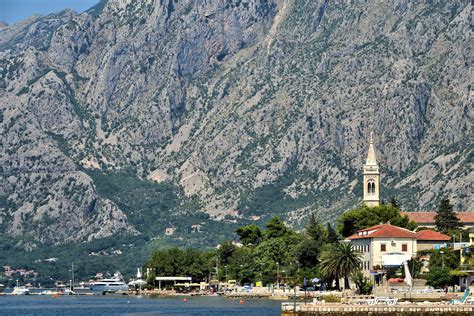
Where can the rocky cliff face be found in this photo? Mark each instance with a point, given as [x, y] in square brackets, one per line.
[263, 106]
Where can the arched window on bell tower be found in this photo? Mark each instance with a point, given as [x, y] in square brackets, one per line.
[371, 186]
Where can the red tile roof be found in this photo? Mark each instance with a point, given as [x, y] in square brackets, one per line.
[428, 217]
[431, 235]
[383, 231]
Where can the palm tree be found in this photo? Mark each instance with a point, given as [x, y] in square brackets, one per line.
[340, 260]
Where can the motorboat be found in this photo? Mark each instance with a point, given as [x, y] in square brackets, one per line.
[20, 290]
[110, 285]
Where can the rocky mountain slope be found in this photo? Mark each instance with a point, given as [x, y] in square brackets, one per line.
[260, 106]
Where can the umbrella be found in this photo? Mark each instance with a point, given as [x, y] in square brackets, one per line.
[408, 278]
[315, 280]
[136, 282]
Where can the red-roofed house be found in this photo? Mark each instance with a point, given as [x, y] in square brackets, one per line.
[384, 245]
[426, 219]
[426, 239]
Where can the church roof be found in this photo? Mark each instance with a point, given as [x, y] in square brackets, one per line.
[371, 158]
[428, 217]
[431, 235]
[383, 231]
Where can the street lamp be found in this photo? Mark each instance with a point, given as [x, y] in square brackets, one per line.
[442, 258]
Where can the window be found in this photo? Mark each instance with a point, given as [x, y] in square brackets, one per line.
[371, 186]
[404, 247]
[383, 247]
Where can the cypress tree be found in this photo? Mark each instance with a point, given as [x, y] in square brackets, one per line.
[332, 235]
[446, 219]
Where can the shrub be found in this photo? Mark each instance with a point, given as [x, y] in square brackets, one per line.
[331, 298]
[363, 284]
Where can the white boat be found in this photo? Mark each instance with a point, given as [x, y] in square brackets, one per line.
[20, 290]
[69, 292]
[111, 285]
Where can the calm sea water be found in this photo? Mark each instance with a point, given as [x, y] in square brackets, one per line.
[133, 305]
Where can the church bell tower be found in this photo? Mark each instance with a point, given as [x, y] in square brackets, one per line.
[371, 177]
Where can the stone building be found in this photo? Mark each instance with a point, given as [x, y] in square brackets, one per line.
[384, 245]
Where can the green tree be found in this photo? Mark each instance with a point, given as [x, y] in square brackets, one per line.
[307, 253]
[446, 219]
[315, 230]
[440, 277]
[276, 228]
[444, 258]
[333, 237]
[340, 260]
[226, 250]
[364, 216]
[363, 284]
[250, 234]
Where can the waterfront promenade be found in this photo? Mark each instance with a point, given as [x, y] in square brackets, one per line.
[360, 310]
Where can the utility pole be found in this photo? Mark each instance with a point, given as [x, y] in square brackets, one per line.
[278, 276]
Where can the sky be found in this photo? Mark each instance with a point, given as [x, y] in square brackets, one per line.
[12, 11]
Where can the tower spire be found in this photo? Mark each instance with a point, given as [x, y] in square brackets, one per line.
[371, 158]
[371, 176]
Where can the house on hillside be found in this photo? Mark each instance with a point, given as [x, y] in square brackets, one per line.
[169, 231]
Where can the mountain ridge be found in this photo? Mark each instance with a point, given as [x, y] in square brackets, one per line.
[260, 106]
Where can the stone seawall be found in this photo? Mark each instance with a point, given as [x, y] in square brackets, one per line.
[401, 310]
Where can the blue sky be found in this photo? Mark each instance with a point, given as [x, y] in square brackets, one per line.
[12, 11]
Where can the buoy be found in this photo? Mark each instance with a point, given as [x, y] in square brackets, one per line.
[185, 300]
[241, 302]
[128, 302]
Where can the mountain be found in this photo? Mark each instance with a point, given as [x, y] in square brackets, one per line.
[139, 115]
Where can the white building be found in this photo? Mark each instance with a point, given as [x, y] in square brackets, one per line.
[384, 245]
